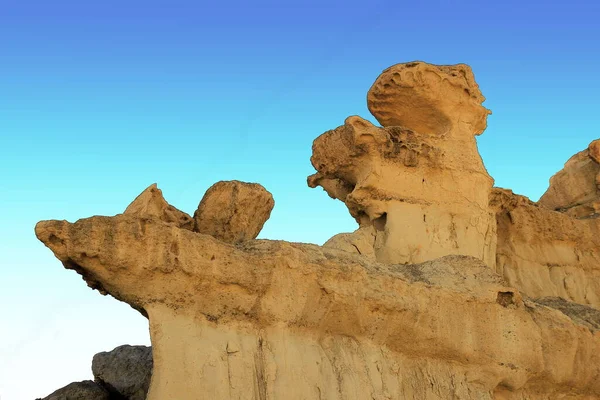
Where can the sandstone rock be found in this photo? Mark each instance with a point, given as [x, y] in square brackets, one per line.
[594, 150]
[545, 253]
[575, 190]
[233, 211]
[255, 320]
[429, 99]
[422, 187]
[86, 390]
[124, 371]
[448, 289]
[361, 241]
[151, 203]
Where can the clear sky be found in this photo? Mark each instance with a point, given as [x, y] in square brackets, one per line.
[99, 99]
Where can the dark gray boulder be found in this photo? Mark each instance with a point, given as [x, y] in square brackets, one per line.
[86, 390]
[125, 371]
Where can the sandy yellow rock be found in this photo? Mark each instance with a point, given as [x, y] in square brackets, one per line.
[233, 211]
[594, 150]
[546, 253]
[429, 99]
[256, 320]
[151, 203]
[575, 189]
[448, 289]
[419, 180]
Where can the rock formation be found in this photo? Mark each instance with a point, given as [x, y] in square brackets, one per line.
[151, 203]
[233, 211]
[448, 289]
[419, 181]
[121, 374]
[124, 371]
[258, 319]
[575, 190]
[86, 390]
[546, 253]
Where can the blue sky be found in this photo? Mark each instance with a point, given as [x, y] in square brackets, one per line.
[100, 99]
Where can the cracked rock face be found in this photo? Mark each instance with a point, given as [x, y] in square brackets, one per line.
[575, 190]
[418, 181]
[233, 211]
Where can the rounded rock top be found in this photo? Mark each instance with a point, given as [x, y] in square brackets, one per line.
[429, 99]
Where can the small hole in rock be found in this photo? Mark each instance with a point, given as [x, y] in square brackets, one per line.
[505, 298]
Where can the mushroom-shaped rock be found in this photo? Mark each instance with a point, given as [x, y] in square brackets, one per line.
[429, 99]
[419, 180]
[575, 190]
[151, 203]
[233, 211]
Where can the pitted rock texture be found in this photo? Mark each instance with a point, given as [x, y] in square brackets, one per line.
[575, 190]
[419, 180]
[254, 320]
[233, 211]
[448, 289]
[545, 253]
[433, 100]
[125, 371]
[151, 203]
[86, 390]
[424, 198]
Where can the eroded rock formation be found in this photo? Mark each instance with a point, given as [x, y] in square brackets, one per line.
[151, 203]
[546, 253]
[448, 288]
[575, 190]
[258, 319]
[418, 181]
[233, 211]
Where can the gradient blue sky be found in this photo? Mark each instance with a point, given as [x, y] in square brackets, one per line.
[100, 99]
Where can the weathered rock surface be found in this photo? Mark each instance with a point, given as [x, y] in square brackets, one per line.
[582, 315]
[575, 190]
[448, 289]
[124, 371]
[151, 203]
[545, 253]
[86, 390]
[255, 320]
[361, 241]
[233, 211]
[419, 180]
[432, 100]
